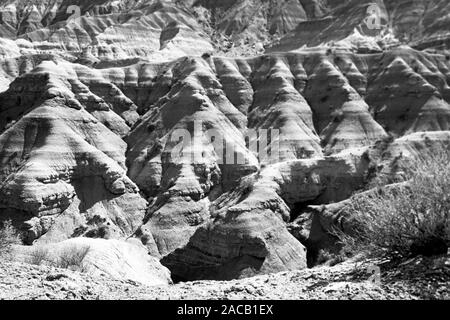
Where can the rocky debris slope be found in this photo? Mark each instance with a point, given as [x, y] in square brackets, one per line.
[421, 278]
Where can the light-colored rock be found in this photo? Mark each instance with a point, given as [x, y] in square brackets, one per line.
[93, 110]
[121, 260]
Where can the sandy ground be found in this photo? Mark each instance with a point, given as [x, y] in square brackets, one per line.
[420, 278]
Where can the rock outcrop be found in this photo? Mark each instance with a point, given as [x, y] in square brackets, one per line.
[126, 123]
[168, 29]
[105, 29]
[356, 24]
[62, 170]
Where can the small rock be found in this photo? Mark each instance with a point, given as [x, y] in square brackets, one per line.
[56, 276]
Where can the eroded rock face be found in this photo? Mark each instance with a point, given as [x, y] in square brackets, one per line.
[388, 160]
[165, 30]
[60, 165]
[127, 124]
[354, 25]
[247, 233]
[200, 227]
[236, 245]
[105, 29]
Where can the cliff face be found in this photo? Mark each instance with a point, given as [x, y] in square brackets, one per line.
[104, 28]
[356, 24]
[124, 124]
[58, 159]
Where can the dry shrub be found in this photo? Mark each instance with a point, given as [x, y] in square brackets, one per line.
[409, 219]
[73, 258]
[39, 255]
[8, 238]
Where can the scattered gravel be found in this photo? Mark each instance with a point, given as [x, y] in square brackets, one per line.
[420, 278]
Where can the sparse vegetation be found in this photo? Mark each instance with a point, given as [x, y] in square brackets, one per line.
[39, 255]
[73, 258]
[8, 238]
[408, 219]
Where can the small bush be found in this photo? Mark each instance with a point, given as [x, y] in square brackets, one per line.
[408, 219]
[8, 238]
[39, 255]
[72, 258]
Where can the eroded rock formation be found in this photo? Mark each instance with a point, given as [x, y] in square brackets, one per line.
[125, 123]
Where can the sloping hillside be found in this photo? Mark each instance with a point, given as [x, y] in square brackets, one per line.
[169, 123]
